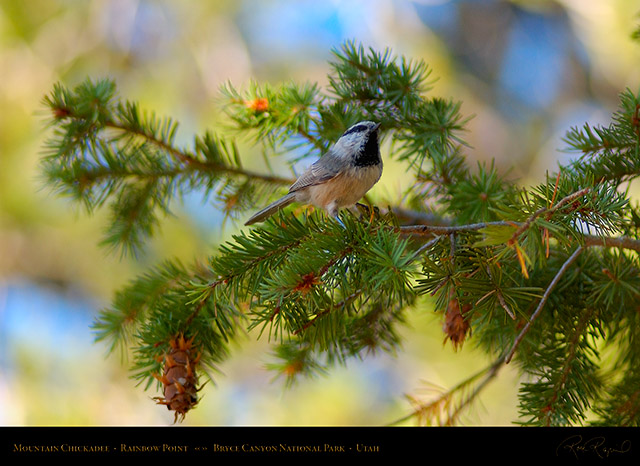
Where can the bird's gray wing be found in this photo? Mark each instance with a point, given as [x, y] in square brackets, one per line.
[320, 172]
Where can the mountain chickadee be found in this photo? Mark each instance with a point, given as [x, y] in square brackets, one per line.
[338, 179]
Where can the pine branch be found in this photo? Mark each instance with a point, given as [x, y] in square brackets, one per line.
[108, 150]
[543, 301]
[610, 153]
[127, 121]
[491, 256]
[276, 116]
[567, 377]
[621, 242]
[447, 404]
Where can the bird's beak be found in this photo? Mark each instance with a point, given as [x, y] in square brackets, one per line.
[377, 126]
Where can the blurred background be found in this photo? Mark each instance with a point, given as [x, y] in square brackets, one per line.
[526, 70]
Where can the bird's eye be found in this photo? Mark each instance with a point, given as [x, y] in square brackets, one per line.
[355, 129]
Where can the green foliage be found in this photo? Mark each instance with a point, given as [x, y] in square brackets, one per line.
[475, 197]
[107, 151]
[609, 153]
[547, 275]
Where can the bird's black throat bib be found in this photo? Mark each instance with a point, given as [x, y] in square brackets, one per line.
[370, 153]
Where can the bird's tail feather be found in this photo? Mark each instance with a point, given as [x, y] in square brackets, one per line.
[271, 209]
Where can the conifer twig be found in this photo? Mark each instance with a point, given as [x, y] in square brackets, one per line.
[549, 211]
[492, 372]
[444, 399]
[621, 242]
[543, 301]
[186, 157]
[567, 366]
[446, 230]
[191, 160]
[443, 229]
[340, 305]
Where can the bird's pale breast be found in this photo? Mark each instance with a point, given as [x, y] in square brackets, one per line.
[345, 189]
